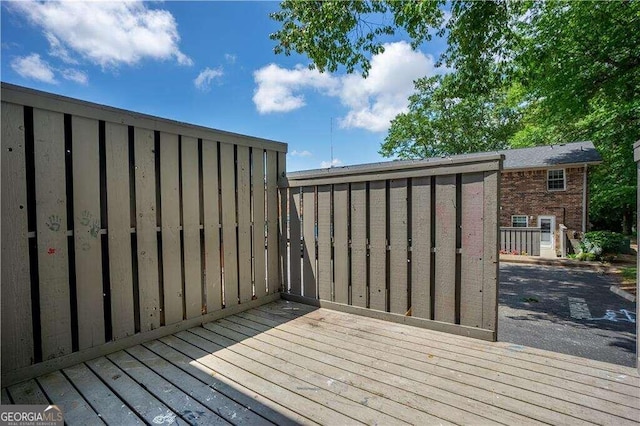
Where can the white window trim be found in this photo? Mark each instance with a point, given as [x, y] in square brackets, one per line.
[564, 180]
[519, 215]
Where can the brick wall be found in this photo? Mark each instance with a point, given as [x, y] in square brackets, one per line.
[525, 193]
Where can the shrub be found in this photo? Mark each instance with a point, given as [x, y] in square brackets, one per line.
[586, 256]
[599, 243]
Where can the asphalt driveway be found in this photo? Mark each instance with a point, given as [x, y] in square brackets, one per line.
[568, 310]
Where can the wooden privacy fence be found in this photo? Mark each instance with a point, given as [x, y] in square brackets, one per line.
[521, 240]
[412, 241]
[117, 224]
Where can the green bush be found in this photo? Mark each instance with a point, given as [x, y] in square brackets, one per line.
[599, 243]
[582, 256]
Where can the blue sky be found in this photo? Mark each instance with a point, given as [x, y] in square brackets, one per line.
[212, 64]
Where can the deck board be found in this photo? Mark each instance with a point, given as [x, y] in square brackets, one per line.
[76, 409]
[451, 356]
[287, 363]
[111, 408]
[27, 393]
[477, 383]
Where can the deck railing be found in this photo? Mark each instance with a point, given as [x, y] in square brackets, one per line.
[416, 240]
[520, 240]
[117, 226]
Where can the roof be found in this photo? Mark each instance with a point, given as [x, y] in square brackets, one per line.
[551, 155]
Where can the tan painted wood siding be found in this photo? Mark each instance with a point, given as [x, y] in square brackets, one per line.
[295, 254]
[309, 239]
[211, 201]
[259, 223]
[170, 229]
[146, 234]
[53, 250]
[119, 230]
[17, 331]
[272, 222]
[87, 239]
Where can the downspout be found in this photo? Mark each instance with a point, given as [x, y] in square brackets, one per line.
[584, 200]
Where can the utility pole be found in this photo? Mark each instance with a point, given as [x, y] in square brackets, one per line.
[331, 140]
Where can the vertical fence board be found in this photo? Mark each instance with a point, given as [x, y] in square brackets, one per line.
[53, 263]
[284, 267]
[341, 243]
[118, 232]
[170, 209]
[244, 224]
[88, 247]
[445, 303]
[324, 243]
[17, 331]
[421, 247]
[309, 248]
[230, 254]
[472, 249]
[359, 244]
[259, 256]
[145, 183]
[294, 245]
[272, 221]
[213, 281]
[191, 228]
[378, 245]
[398, 240]
[490, 277]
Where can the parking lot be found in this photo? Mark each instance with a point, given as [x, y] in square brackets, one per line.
[568, 310]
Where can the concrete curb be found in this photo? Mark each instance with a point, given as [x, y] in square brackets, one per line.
[620, 292]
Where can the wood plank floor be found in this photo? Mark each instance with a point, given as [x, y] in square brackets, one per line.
[287, 363]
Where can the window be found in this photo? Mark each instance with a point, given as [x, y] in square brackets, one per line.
[555, 180]
[519, 221]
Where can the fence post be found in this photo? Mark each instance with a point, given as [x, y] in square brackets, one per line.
[563, 240]
[636, 157]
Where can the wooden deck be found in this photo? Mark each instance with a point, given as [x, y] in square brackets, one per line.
[287, 363]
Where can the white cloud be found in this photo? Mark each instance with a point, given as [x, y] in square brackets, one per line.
[304, 153]
[333, 163]
[230, 58]
[206, 76]
[106, 33]
[57, 50]
[372, 102]
[278, 88]
[75, 75]
[33, 67]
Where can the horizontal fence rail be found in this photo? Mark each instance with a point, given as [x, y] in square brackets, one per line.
[518, 240]
[115, 224]
[412, 239]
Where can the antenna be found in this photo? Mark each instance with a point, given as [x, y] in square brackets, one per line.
[331, 140]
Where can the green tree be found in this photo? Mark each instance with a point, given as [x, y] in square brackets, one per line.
[525, 73]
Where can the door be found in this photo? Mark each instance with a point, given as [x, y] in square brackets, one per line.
[547, 226]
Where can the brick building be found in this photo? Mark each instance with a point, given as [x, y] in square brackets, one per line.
[547, 186]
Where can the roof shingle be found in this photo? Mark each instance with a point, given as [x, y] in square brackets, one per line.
[551, 155]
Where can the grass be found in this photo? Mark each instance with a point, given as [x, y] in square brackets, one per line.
[629, 274]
